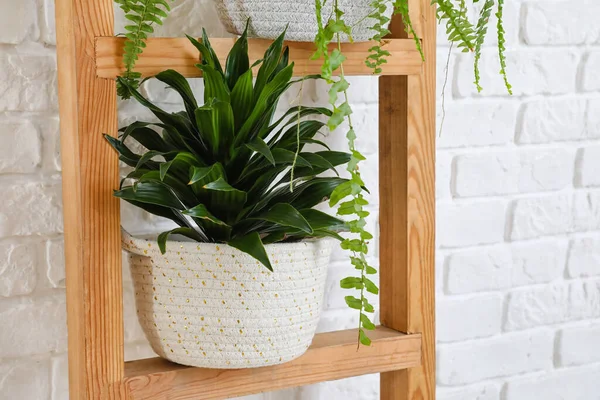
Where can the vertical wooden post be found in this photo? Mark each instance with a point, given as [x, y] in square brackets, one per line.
[91, 214]
[407, 211]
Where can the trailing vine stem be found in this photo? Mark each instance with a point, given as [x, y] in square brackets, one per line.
[502, 44]
[352, 191]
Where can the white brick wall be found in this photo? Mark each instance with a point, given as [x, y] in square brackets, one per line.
[518, 257]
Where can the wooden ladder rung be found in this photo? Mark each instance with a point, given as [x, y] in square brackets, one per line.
[179, 54]
[332, 356]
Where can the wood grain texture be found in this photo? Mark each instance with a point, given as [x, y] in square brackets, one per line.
[179, 54]
[332, 356]
[407, 201]
[91, 213]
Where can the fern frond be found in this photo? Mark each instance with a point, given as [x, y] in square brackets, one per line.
[458, 28]
[142, 14]
[480, 33]
[502, 45]
[401, 7]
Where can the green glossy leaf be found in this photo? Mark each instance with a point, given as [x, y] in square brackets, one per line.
[370, 286]
[270, 62]
[259, 146]
[364, 339]
[320, 220]
[366, 322]
[206, 55]
[353, 302]
[252, 245]
[351, 283]
[241, 99]
[341, 192]
[237, 62]
[162, 238]
[285, 215]
[200, 211]
[214, 85]
[152, 193]
[178, 82]
[205, 175]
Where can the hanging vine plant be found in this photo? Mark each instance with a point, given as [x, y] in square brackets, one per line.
[462, 32]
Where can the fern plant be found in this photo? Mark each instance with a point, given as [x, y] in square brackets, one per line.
[222, 170]
[459, 30]
[142, 14]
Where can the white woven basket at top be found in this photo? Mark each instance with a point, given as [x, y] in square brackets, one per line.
[209, 305]
[269, 18]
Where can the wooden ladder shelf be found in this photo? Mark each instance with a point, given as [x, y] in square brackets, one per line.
[403, 349]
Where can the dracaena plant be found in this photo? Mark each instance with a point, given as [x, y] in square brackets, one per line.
[225, 171]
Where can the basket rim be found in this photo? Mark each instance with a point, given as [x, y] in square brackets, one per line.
[148, 247]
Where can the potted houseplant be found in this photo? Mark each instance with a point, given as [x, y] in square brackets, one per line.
[246, 289]
[335, 21]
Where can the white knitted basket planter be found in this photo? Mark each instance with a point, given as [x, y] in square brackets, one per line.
[210, 305]
[268, 18]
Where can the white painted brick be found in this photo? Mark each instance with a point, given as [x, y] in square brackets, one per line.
[443, 171]
[475, 392]
[31, 208]
[553, 304]
[506, 266]
[25, 379]
[48, 23]
[584, 257]
[138, 351]
[132, 330]
[589, 165]
[509, 354]
[18, 269]
[28, 83]
[547, 71]
[55, 263]
[21, 147]
[590, 80]
[37, 326]
[475, 127]
[545, 121]
[442, 63]
[471, 224]
[49, 128]
[593, 117]
[586, 211]
[480, 316]
[498, 173]
[440, 263]
[486, 123]
[17, 21]
[578, 345]
[359, 388]
[336, 320]
[563, 384]
[541, 216]
[60, 377]
[551, 23]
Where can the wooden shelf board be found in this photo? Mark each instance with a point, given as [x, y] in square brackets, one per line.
[179, 54]
[331, 356]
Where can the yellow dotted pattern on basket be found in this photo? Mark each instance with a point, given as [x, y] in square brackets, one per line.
[212, 306]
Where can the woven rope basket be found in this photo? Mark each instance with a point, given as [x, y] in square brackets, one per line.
[209, 305]
[268, 18]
